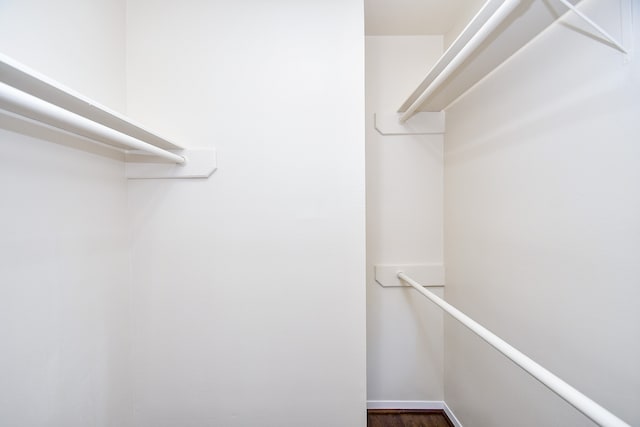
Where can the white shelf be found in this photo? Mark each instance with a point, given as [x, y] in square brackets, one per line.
[34, 83]
[31, 95]
[524, 23]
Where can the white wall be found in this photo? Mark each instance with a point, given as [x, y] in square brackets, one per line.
[542, 228]
[63, 254]
[249, 286]
[81, 44]
[404, 226]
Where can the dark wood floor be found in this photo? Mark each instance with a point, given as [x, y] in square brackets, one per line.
[407, 418]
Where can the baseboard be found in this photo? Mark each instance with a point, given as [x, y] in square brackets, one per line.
[405, 404]
[415, 404]
[452, 417]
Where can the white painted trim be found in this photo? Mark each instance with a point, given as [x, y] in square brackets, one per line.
[415, 404]
[405, 404]
[452, 417]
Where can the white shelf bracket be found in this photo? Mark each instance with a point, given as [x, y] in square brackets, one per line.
[429, 274]
[199, 163]
[595, 26]
[422, 123]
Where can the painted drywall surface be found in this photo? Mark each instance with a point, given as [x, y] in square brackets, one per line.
[542, 228]
[63, 253]
[250, 286]
[404, 226]
[63, 294]
[81, 44]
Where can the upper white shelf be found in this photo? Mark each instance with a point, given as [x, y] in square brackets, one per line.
[23, 78]
[521, 22]
[29, 94]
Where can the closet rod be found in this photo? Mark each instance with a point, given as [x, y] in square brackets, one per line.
[487, 28]
[29, 106]
[582, 403]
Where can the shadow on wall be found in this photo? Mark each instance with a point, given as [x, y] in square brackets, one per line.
[543, 120]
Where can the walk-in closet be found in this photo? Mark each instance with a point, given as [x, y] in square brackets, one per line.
[319, 213]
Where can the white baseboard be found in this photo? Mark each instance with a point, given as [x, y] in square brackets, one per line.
[414, 404]
[405, 404]
[452, 417]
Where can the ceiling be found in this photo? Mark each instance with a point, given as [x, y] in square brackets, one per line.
[414, 17]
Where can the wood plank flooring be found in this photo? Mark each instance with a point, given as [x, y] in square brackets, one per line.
[407, 418]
